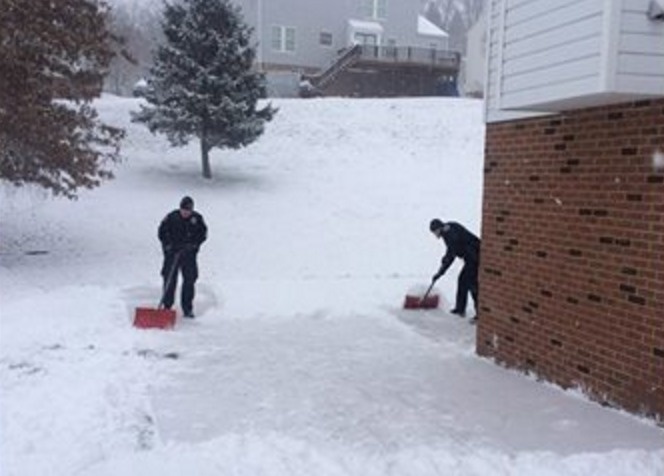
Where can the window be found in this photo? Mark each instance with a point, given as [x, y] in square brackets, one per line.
[290, 39]
[381, 9]
[283, 38]
[325, 38]
[391, 48]
[433, 47]
[365, 39]
[276, 38]
[375, 9]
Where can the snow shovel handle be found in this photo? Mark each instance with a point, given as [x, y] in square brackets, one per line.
[171, 274]
[426, 294]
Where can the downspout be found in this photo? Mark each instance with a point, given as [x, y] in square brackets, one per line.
[259, 34]
[487, 59]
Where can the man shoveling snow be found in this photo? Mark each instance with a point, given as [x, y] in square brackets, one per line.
[463, 244]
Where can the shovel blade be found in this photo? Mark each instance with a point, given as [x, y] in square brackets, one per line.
[417, 302]
[150, 318]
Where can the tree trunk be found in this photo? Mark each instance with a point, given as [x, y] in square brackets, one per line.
[205, 157]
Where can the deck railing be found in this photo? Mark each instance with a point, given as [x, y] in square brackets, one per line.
[398, 55]
[411, 54]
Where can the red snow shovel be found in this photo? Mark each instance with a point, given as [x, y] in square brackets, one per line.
[428, 301]
[159, 318]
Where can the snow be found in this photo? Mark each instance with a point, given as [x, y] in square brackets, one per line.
[425, 27]
[366, 26]
[658, 160]
[301, 359]
[138, 6]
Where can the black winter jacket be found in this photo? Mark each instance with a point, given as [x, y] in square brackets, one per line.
[461, 243]
[177, 233]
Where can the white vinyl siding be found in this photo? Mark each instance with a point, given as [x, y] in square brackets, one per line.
[550, 48]
[549, 56]
[640, 63]
[492, 83]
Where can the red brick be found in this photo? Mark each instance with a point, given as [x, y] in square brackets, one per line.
[589, 222]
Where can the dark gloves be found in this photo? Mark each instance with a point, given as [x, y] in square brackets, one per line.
[190, 248]
[436, 276]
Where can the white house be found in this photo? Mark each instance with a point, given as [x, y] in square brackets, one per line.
[552, 55]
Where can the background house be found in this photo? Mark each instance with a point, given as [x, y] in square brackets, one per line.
[139, 23]
[572, 273]
[309, 37]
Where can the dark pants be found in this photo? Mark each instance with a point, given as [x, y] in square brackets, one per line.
[186, 264]
[467, 283]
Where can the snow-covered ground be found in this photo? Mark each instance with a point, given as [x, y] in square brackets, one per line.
[301, 360]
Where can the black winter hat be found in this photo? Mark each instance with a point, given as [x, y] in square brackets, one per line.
[435, 224]
[187, 203]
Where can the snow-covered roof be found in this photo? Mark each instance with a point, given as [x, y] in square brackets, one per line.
[425, 27]
[366, 26]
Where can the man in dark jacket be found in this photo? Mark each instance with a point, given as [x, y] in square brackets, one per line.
[181, 233]
[460, 243]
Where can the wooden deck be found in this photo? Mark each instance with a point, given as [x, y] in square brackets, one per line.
[404, 56]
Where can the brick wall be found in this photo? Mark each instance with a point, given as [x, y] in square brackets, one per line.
[572, 271]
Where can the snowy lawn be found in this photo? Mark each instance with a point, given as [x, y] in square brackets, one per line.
[301, 360]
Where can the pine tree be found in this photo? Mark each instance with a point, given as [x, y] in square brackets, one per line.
[202, 84]
[53, 56]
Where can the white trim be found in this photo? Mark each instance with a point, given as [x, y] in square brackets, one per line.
[487, 58]
[364, 27]
[608, 68]
[283, 38]
[492, 111]
[500, 53]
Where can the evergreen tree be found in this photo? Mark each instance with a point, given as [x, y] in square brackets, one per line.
[202, 84]
[53, 56]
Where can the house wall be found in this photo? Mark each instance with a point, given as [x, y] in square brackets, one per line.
[556, 56]
[550, 49]
[640, 63]
[493, 82]
[309, 18]
[572, 267]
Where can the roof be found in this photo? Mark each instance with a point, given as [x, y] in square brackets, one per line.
[366, 26]
[425, 27]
